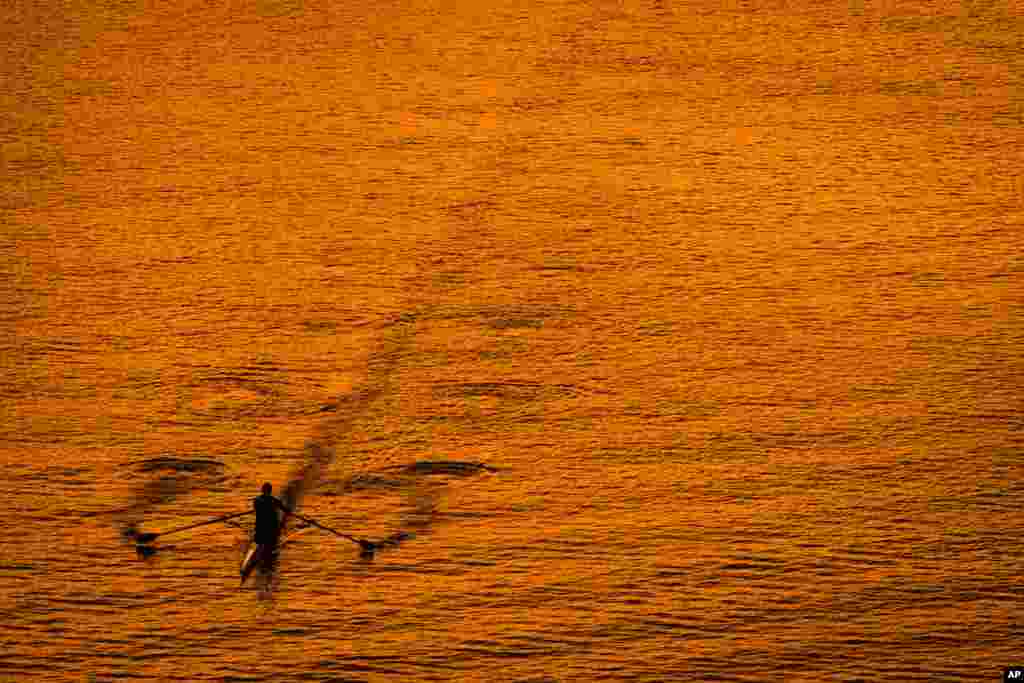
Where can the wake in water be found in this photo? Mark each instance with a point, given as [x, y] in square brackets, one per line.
[420, 484]
[176, 477]
[306, 477]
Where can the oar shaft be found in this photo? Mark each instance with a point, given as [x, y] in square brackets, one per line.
[318, 525]
[209, 521]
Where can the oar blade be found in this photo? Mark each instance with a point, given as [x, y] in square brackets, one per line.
[133, 534]
[145, 551]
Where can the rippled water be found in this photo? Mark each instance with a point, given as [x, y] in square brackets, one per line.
[656, 340]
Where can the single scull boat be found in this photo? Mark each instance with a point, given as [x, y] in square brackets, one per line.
[258, 554]
[263, 555]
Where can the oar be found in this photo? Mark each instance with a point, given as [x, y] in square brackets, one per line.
[367, 546]
[150, 537]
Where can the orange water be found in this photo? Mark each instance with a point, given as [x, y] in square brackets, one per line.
[729, 295]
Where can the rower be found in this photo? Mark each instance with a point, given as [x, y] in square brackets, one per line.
[267, 522]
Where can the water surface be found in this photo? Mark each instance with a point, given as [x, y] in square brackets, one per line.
[726, 301]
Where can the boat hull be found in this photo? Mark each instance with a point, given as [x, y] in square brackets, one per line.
[264, 555]
[258, 555]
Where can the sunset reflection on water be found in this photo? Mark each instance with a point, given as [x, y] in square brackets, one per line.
[650, 340]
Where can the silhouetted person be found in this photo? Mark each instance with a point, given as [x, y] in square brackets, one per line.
[268, 524]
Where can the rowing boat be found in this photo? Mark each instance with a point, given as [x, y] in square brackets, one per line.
[264, 555]
[258, 555]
